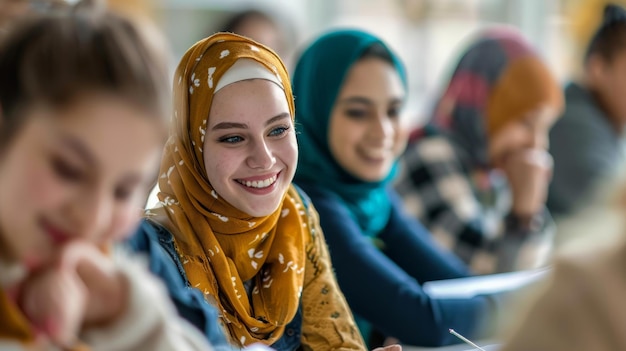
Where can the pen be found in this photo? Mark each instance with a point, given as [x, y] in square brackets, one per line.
[466, 340]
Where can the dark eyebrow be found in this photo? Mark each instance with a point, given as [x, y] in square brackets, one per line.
[230, 125]
[357, 99]
[79, 148]
[366, 101]
[277, 118]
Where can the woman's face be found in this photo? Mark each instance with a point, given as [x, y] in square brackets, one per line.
[607, 78]
[250, 150]
[528, 132]
[78, 173]
[365, 133]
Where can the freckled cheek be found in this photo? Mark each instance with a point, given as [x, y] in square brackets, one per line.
[221, 167]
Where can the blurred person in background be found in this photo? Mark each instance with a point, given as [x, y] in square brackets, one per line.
[580, 306]
[584, 17]
[351, 90]
[11, 10]
[266, 27]
[477, 175]
[587, 143]
[83, 110]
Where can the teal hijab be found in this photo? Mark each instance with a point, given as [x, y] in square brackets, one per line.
[317, 81]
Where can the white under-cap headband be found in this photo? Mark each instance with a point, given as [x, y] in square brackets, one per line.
[244, 69]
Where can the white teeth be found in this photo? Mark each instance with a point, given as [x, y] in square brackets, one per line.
[375, 153]
[259, 184]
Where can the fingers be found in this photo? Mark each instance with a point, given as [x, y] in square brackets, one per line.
[107, 289]
[81, 288]
[528, 173]
[54, 302]
[59, 299]
[74, 253]
[538, 157]
[528, 159]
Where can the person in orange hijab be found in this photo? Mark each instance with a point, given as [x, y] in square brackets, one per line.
[477, 174]
[240, 233]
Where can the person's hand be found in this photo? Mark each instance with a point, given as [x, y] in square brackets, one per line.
[108, 289]
[395, 347]
[528, 172]
[81, 289]
[54, 300]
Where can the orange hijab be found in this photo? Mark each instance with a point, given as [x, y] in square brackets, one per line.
[221, 247]
[13, 324]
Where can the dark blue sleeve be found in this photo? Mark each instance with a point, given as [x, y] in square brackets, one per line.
[387, 292]
[189, 302]
[404, 237]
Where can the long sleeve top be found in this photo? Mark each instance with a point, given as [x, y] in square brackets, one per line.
[189, 303]
[384, 286]
[468, 214]
[586, 149]
[324, 323]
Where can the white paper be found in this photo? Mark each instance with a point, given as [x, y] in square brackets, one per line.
[482, 284]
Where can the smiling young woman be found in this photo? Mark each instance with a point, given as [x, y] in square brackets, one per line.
[240, 234]
[366, 135]
[251, 160]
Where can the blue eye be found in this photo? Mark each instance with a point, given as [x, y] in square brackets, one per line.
[279, 131]
[230, 139]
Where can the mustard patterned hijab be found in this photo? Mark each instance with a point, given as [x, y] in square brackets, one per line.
[222, 248]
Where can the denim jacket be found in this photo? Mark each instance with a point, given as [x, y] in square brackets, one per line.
[157, 243]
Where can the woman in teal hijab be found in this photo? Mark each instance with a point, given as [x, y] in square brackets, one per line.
[319, 88]
[349, 91]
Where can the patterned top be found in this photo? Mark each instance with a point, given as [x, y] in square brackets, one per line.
[469, 214]
[448, 180]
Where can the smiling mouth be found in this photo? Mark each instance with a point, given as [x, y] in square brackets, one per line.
[258, 184]
[375, 156]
